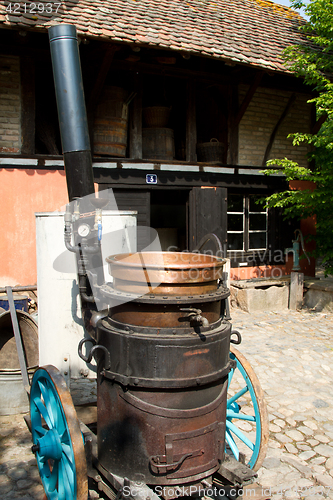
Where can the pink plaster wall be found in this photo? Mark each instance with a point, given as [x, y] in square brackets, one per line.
[22, 193]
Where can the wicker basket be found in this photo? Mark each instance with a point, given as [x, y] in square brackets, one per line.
[210, 152]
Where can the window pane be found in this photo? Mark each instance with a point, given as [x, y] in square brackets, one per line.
[235, 203]
[257, 240]
[256, 207]
[257, 221]
[235, 222]
[235, 241]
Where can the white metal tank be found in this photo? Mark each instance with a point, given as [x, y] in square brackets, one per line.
[59, 313]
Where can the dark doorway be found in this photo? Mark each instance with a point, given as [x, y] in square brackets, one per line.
[168, 217]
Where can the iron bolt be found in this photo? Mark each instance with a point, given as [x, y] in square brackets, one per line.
[35, 448]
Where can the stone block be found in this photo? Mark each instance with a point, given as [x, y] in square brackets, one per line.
[319, 300]
[252, 296]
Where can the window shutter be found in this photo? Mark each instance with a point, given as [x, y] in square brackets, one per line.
[207, 214]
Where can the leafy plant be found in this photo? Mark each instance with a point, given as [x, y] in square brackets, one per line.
[313, 61]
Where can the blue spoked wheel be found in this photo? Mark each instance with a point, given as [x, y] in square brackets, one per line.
[247, 420]
[57, 437]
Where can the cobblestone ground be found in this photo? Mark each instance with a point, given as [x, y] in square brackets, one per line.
[292, 354]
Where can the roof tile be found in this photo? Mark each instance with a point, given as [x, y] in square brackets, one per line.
[251, 31]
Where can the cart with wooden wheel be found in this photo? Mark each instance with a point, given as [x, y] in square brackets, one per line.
[59, 443]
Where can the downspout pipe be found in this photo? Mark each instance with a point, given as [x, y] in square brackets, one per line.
[71, 110]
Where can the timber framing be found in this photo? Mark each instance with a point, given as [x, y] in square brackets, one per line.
[285, 112]
[28, 105]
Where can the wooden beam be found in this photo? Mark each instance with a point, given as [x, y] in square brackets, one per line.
[191, 123]
[316, 127]
[248, 97]
[232, 155]
[97, 89]
[28, 105]
[135, 123]
[101, 77]
[285, 112]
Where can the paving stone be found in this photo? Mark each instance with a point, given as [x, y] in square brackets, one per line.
[304, 447]
[305, 430]
[286, 412]
[329, 463]
[274, 428]
[271, 463]
[324, 480]
[313, 442]
[283, 438]
[317, 460]
[16, 474]
[311, 424]
[6, 484]
[306, 455]
[279, 422]
[319, 469]
[304, 469]
[299, 418]
[324, 449]
[304, 484]
[274, 444]
[328, 427]
[291, 448]
[295, 435]
[322, 438]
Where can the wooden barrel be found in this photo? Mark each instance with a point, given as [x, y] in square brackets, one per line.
[156, 116]
[158, 143]
[111, 122]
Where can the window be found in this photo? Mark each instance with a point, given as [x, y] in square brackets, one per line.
[247, 223]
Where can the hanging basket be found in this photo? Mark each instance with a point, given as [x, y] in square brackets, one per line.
[211, 152]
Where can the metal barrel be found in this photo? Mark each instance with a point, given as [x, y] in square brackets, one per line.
[163, 364]
[12, 393]
[71, 110]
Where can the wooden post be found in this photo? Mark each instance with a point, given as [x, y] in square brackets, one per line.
[191, 124]
[135, 123]
[296, 291]
[28, 103]
[232, 158]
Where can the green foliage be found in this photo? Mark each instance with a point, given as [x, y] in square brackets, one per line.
[313, 61]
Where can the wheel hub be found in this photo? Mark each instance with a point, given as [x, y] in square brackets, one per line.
[49, 446]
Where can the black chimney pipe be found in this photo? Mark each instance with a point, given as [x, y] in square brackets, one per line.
[71, 110]
[77, 158]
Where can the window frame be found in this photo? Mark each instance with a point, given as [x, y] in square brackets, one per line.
[240, 255]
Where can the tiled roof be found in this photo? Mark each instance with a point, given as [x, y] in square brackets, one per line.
[252, 32]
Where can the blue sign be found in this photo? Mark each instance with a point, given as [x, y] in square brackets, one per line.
[151, 179]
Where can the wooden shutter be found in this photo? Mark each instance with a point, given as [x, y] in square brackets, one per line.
[207, 214]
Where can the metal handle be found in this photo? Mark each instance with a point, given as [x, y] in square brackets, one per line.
[88, 358]
[166, 467]
[239, 338]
